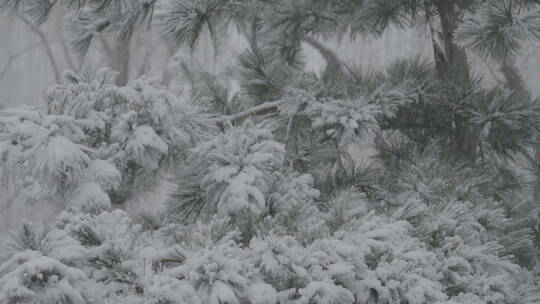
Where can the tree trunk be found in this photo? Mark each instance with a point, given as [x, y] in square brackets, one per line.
[536, 196]
[515, 82]
[454, 60]
[121, 60]
[452, 66]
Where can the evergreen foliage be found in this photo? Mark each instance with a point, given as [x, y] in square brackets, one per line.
[268, 205]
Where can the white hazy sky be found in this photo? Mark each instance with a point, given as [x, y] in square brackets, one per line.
[25, 71]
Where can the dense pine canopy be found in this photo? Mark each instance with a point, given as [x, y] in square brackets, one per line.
[269, 202]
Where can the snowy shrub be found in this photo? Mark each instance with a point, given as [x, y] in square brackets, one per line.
[40, 154]
[217, 274]
[168, 290]
[29, 277]
[232, 173]
[344, 120]
[96, 133]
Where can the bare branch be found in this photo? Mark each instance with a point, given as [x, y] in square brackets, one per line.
[12, 57]
[332, 61]
[256, 110]
[45, 42]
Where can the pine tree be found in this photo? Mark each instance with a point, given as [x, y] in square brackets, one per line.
[268, 204]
